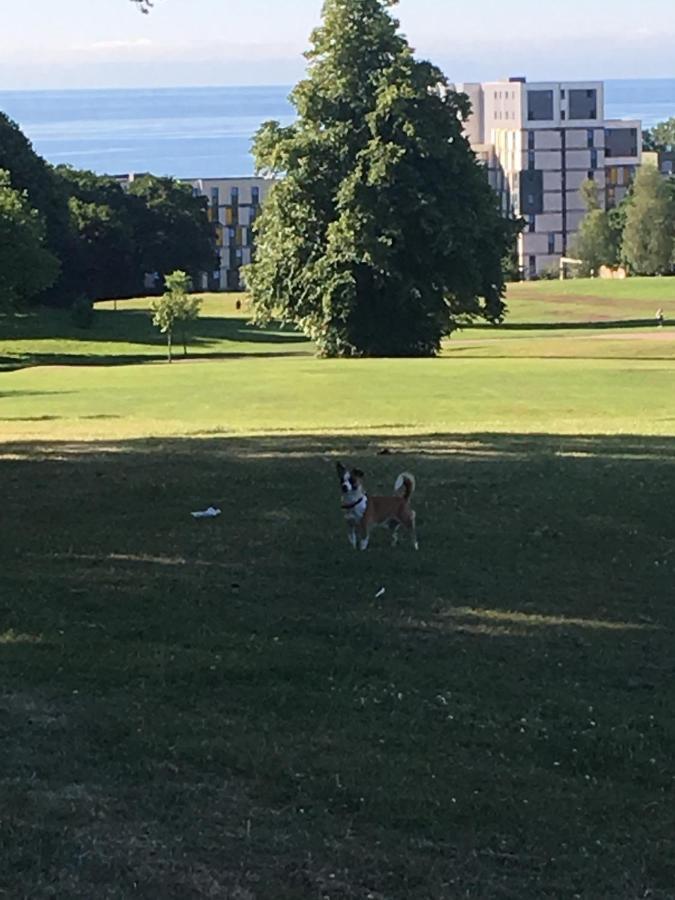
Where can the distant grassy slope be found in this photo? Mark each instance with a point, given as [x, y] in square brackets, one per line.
[590, 300]
[127, 335]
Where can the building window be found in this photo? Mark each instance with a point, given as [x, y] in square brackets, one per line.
[563, 114]
[532, 224]
[591, 175]
[562, 94]
[234, 195]
[551, 244]
[255, 196]
[215, 197]
[531, 159]
[540, 106]
[530, 140]
[594, 159]
[533, 265]
[583, 104]
[590, 138]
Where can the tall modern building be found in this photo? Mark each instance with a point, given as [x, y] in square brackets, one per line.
[234, 204]
[540, 142]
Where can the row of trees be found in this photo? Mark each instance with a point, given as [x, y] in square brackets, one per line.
[638, 234]
[68, 233]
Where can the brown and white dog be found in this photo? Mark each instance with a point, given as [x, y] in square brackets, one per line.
[363, 513]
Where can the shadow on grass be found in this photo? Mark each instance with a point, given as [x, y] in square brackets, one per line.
[12, 363]
[233, 705]
[133, 327]
[594, 325]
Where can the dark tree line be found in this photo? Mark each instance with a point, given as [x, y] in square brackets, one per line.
[105, 238]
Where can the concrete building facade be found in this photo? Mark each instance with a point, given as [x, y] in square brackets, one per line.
[540, 142]
[234, 204]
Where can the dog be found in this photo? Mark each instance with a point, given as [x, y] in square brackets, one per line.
[363, 513]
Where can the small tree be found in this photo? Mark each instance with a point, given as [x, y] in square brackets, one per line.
[190, 307]
[649, 233]
[598, 241]
[175, 308]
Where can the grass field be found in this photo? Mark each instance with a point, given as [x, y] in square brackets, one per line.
[226, 708]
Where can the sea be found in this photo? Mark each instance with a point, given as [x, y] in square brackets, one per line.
[206, 132]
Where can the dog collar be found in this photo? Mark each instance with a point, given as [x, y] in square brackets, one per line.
[354, 505]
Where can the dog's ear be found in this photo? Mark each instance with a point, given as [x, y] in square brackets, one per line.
[340, 468]
[358, 473]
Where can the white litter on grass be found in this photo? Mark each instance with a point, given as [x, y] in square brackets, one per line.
[380, 593]
[209, 513]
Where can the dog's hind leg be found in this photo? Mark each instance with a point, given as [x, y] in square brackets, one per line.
[394, 527]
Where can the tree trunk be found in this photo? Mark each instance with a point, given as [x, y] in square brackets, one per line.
[168, 345]
[184, 335]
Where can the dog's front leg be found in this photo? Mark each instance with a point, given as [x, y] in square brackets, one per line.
[352, 536]
[364, 537]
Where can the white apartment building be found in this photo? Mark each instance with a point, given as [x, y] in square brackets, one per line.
[234, 204]
[540, 142]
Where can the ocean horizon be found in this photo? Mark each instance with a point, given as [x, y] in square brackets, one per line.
[206, 132]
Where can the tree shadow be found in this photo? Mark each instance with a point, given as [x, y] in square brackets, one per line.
[599, 325]
[523, 658]
[133, 326]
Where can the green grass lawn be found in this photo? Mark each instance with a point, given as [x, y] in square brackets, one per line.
[231, 708]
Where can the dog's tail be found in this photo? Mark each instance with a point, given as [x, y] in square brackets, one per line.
[406, 482]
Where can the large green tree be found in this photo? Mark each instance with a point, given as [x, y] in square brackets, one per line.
[26, 266]
[30, 173]
[383, 235]
[103, 258]
[649, 233]
[171, 227]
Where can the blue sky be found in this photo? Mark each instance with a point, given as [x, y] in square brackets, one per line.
[108, 43]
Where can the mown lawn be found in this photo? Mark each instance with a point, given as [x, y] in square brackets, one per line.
[232, 708]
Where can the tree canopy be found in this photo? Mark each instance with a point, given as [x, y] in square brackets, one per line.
[172, 228]
[384, 234]
[106, 238]
[598, 241]
[661, 136]
[104, 259]
[649, 232]
[29, 173]
[26, 266]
